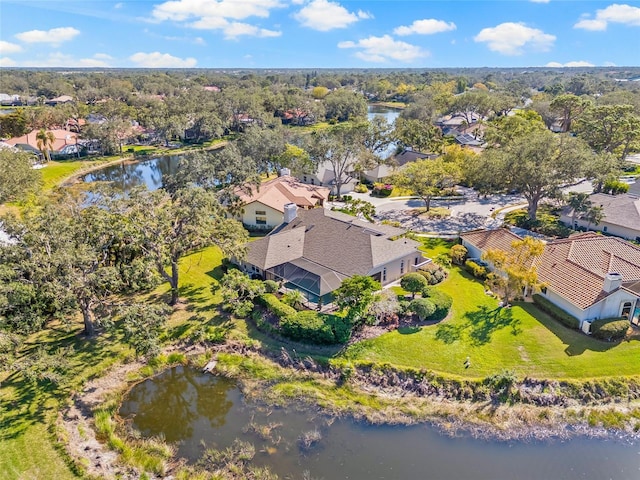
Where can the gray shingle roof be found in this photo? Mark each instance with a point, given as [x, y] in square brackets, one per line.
[333, 240]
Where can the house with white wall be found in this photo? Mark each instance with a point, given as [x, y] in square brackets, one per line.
[263, 205]
[588, 275]
[621, 215]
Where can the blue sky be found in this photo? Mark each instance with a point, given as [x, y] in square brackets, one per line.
[318, 33]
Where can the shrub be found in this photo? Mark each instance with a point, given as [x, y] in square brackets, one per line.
[414, 283]
[610, 329]
[422, 307]
[275, 306]
[556, 312]
[458, 253]
[360, 188]
[271, 286]
[441, 300]
[433, 273]
[614, 186]
[314, 327]
[476, 270]
[382, 189]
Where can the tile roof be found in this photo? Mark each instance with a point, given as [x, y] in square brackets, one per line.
[62, 138]
[278, 192]
[335, 241]
[575, 267]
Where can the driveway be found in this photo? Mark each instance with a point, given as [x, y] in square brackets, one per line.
[468, 212]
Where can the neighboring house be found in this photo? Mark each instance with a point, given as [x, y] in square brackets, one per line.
[587, 275]
[324, 177]
[621, 215]
[382, 171]
[62, 139]
[59, 100]
[264, 205]
[313, 251]
[468, 140]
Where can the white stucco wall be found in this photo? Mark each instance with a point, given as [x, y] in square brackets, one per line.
[472, 252]
[274, 217]
[393, 267]
[609, 307]
[565, 305]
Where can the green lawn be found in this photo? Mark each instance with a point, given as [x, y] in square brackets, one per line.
[57, 171]
[522, 339]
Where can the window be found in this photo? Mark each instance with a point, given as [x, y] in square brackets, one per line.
[544, 290]
[261, 220]
[304, 179]
[415, 261]
[401, 267]
[604, 229]
[261, 212]
[384, 274]
[312, 181]
[626, 310]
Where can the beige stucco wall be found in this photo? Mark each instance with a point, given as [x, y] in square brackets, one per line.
[274, 217]
[616, 230]
[607, 308]
[394, 267]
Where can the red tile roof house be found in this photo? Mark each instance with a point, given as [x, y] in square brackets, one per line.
[313, 251]
[588, 275]
[264, 205]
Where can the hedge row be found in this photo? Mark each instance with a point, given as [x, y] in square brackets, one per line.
[556, 312]
[276, 306]
[610, 329]
[306, 326]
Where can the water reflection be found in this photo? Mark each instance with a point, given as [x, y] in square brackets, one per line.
[187, 406]
[125, 176]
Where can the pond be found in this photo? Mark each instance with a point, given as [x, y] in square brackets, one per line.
[189, 408]
[126, 175]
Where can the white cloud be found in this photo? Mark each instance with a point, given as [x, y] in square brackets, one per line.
[103, 56]
[118, 5]
[615, 13]
[579, 63]
[199, 41]
[384, 49]
[236, 29]
[8, 47]
[55, 36]
[540, 1]
[181, 10]
[59, 59]
[428, 26]
[324, 15]
[7, 62]
[161, 60]
[219, 15]
[512, 38]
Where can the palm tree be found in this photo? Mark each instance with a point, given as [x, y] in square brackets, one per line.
[294, 298]
[594, 215]
[579, 203]
[45, 139]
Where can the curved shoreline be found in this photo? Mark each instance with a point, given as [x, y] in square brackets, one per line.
[487, 420]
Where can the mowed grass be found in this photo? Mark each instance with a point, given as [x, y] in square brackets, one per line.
[521, 339]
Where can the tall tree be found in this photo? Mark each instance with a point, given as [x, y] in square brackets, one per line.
[170, 226]
[17, 177]
[610, 129]
[417, 135]
[44, 140]
[537, 165]
[569, 107]
[579, 203]
[428, 178]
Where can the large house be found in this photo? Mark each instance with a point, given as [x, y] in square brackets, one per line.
[264, 205]
[621, 215]
[64, 142]
[588, 275]
[313, 251]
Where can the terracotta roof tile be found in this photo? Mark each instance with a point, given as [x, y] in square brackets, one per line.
[278, 192]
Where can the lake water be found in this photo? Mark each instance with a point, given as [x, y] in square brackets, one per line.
[127, 175]
[390, 114]
[151, 172]
[189, 407]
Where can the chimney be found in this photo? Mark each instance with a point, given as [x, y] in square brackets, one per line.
[290, 212]
[284, 172]
[612, 281]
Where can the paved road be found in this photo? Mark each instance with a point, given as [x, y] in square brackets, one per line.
[467, 213]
